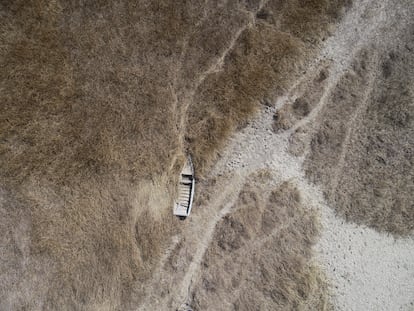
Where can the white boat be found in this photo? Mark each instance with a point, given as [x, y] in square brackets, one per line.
[184, 202]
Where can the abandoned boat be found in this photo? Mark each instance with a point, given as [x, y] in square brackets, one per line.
[184, 202]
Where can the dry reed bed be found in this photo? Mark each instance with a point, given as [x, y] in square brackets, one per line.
[92, 97]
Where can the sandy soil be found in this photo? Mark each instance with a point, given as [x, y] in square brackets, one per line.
[367, 270]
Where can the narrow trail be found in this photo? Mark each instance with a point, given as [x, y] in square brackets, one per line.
[350, 127]
[223, 205]
[219, 61]
[216, 66]
[348, 253]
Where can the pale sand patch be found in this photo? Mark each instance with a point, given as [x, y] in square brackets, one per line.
[368, 270]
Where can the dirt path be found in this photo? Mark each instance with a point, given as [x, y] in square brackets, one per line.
[367, 270]
[221, 206]
[215, 67]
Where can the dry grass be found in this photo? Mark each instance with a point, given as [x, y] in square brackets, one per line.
[309, 20]
[261, 254]
[252, 71]
[83, 129]
[292, 112]
[362, 151]
[97, 244]
[75, 81]
[92, 97]
[359, 146]
[264, 60]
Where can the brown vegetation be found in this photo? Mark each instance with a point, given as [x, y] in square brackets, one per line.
[265, 59]
[359, 147]
[93, 96]
[260, 256]
[83, 128]
[301, 107]
[362, 152]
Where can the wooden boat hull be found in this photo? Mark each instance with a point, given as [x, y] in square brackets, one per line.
[186, 187]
